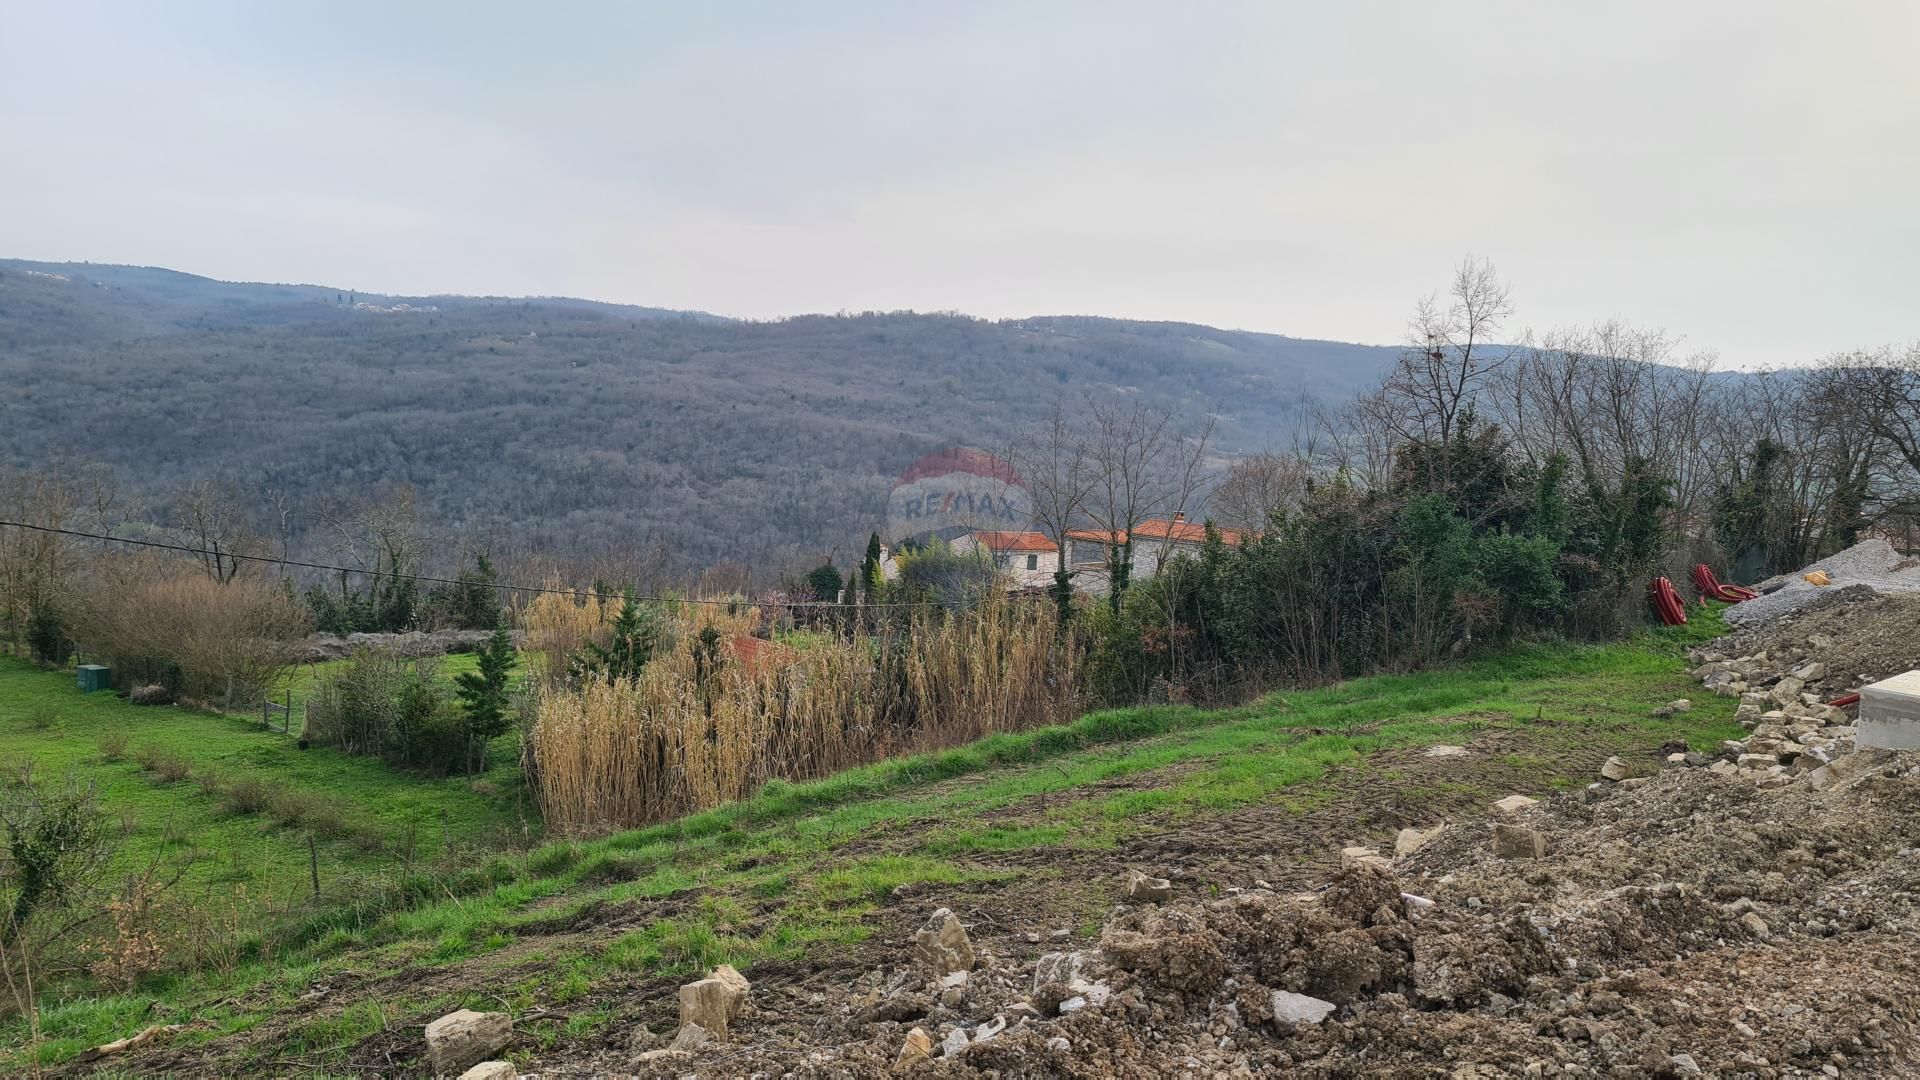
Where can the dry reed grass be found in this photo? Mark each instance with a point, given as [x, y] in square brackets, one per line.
[715, 716]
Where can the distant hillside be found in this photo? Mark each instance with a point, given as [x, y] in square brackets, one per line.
[569, 423]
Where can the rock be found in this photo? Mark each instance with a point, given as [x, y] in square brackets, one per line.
[1142, 889]
[1724, 768]
[1513, 804]
[491, 1070]
[689, 1038]
[943, 943]
[1290, 1008]
[953, 989]
[955, 1042]
[713, 1002]
[1445, 750]
[1680, 705]
[1754, 924]
[1021, 1010]
[1059, 1045]
[1516, 842]
[1616, 768]
[1811, 673]
[917, 1048]
[989, 1029]
[1786, 691]
[663, 1054]
[460, 1040]
[1408, 841]
[1364, 856]
[1676, 759]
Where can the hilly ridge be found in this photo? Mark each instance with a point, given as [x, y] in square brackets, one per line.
[567, 424]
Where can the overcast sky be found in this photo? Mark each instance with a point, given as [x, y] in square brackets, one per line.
[1744, 173]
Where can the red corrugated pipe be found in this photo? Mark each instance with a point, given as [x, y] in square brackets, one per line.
[1711, 587]
[1667, 603]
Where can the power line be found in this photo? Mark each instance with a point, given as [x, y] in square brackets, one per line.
[434, 580]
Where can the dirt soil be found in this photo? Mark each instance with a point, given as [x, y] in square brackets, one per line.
[1859, 634]
[1688, 924]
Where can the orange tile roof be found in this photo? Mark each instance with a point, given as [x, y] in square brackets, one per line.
[1014, 541]
[1160, 529]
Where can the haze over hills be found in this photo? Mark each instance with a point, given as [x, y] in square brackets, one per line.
[560, 423]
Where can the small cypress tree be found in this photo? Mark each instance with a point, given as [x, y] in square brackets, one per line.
[483, 695]
[870, 568]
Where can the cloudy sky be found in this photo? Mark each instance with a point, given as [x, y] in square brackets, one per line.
[1741, 173]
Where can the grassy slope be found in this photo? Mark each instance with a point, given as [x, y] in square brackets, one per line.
[240, 866]
[810, 867]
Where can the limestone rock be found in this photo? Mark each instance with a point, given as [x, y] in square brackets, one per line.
[491, 1070]
[1409, 841]
[917, 1048]
[690, 1037]
[955, 1042]
[460, 1040]
[1513, 804]
[1617, 768]
[1290, 1008]
[1516, 842]
[943, 943]
[1364, 856]
[1148, 890]
[713, 1002]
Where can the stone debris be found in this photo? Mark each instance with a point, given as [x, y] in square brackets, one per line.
[943, 945]
[1513, 804]
[1290, 1008]
[460, 1040]
[1142, 889]
[1363, 856]
[915, 1050]
[1408, 841]
[1517, 842]
[712, 1003]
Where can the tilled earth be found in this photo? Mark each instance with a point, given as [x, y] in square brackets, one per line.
[1688, 924]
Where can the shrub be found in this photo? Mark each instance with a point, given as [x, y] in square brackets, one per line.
[223, 644]
[42, 717]
[151, 694]
[247, 795]
[382, 705]
[113, 746]
[165, 765]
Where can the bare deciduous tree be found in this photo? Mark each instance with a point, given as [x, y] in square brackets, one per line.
[1258, 486]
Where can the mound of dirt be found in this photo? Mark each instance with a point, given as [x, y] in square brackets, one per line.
[1685, 924]
[1858, 634]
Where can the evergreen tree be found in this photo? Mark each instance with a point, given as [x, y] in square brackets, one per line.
[870, 568]
[636, 634]
[483, 695]
[479, 607]
[825, 582]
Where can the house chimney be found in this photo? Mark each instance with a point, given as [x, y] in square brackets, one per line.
[1179, 516]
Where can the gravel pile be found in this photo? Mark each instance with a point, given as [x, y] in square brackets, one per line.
[1872, 563]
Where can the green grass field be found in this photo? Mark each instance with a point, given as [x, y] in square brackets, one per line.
[244, 867]
[811, 869]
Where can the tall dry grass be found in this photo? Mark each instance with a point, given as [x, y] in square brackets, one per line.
[716, 715]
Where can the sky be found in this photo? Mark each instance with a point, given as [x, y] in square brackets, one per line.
[1742, 174]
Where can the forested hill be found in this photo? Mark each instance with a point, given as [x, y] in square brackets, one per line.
[577, 424]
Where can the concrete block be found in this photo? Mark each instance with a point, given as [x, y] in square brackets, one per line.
[1890, 714]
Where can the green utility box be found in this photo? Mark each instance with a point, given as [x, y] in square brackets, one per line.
[91, 677]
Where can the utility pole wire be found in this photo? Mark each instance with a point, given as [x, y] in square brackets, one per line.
[187, 550]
